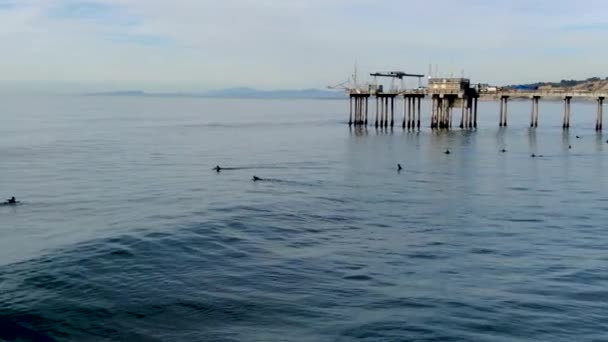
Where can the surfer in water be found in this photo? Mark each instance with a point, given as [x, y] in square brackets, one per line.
[217, 168]
[12, 200]
[399, 168]
[256, 178]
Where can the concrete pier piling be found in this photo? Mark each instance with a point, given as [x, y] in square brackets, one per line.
[504, 110]
[566, 123]
[410, 113]
[386, 110]
[432, 106]
[462, 113]
[470, 122]
[392, 111]
[361, 110]
[356, 100]
[350, 117]
[534, 114]
[419, 105]
[381, 113]
[366, 110]
[411, 108]
[443, 111]
[600, 114]
[358, 112]
[474, 113]
[377, 103]
[405, 114]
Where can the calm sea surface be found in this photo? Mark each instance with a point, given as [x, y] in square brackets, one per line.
[126, 234]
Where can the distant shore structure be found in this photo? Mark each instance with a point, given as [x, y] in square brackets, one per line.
[446, 94]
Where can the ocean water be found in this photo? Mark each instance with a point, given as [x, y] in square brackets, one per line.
[125, 233]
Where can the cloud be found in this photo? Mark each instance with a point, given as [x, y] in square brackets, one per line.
[280, 44]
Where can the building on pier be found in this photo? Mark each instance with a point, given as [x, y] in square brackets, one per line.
[447, 93]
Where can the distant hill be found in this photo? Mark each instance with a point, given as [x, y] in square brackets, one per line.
[255, 93]
[590, 84]
[242, 92]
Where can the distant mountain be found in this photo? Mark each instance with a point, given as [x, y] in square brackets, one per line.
[242, 92]
[119, 93]
[280, 94]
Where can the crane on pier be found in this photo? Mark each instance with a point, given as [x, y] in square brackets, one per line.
[396, 75]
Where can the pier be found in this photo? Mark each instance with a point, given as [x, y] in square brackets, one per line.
[535, 96]
[446, 95]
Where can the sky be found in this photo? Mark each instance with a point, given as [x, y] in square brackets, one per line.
[194, 45]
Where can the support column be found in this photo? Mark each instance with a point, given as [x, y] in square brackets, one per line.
[536, 100]
[471, 110]
[600, 113]
[475, 99]
[382, 110]
[386, 110]
[450, 115]
[355, 116]
[359, 109]
[443, 113]
[407, 121]
[468, 112]
[533, 112]
[470, 116]
[377, 111]
[446, 113]
[412, 111]
[360, 118]
[419, 99]
[440, 113]
[569, 112]
[462, 109]
[350, 117]
[504, 100]
[392, 111]
[502, 110]
[504, 117]
[435, 122]
[432, 111]
[404, 110]
[565, 113]
[366, 110]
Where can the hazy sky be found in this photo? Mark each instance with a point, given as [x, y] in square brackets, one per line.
[200, 44]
